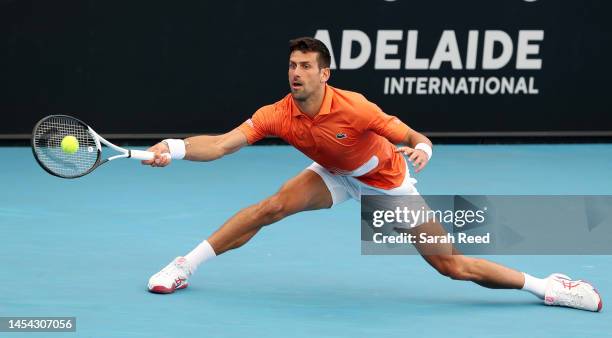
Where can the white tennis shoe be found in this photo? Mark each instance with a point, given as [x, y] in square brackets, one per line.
[578, 294]
[173, 277]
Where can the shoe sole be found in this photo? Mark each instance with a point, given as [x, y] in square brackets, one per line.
[164, 290]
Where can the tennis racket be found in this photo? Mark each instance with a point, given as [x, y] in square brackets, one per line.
[47, 137]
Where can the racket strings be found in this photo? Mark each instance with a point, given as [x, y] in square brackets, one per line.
[48, 137]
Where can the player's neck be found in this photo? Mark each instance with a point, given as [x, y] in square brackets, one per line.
[312, 104]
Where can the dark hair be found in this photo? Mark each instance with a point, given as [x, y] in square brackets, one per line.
[306, 44]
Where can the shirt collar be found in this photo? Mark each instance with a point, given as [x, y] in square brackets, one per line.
[325, 106]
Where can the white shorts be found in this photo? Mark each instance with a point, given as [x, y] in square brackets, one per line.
[344, 187]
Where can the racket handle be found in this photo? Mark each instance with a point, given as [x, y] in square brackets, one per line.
[144, 155]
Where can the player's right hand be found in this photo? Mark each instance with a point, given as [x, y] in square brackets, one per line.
[161, 158]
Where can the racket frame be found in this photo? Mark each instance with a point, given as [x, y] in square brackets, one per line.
[124, 153]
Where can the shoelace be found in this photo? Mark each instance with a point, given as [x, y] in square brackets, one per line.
[173, 269]
[569, 297]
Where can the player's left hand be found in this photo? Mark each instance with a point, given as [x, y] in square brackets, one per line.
[417, 157]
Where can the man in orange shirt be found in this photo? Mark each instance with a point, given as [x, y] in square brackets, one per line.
[351, 141]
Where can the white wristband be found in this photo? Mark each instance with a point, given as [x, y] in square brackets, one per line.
[426, 148]
[176, 147]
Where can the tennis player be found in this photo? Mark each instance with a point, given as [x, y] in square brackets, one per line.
[352, 143]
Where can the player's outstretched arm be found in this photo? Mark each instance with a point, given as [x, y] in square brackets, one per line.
[200, 148]
[209, 148]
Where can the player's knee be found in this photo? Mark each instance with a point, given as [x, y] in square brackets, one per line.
[454, 267]
[273, 209]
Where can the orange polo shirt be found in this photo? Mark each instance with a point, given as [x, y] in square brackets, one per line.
[349, 136]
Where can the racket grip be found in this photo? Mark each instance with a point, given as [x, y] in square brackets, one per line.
[144, 155]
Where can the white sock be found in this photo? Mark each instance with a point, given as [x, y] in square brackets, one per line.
[200, 254]
[537, 286]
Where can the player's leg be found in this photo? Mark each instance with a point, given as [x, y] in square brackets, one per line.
[306, 191]
[449, 262]
[556, 289]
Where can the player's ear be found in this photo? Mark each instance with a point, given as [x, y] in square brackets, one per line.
[325, 74]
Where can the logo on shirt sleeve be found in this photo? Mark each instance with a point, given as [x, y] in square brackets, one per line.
[340, 136]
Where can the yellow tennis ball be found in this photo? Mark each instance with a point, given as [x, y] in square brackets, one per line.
[70, 144]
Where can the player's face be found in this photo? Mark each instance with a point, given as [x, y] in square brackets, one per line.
[305, 76]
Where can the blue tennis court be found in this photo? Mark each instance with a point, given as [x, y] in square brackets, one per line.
[86, 248]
